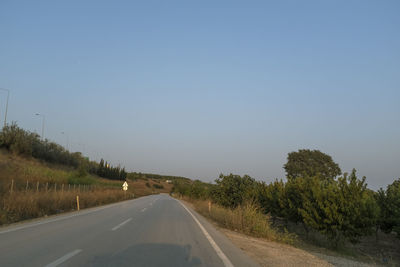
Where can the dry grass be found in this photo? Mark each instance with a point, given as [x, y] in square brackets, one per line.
[245, 219]
[40, 189]
[139, 187]
[19, 206]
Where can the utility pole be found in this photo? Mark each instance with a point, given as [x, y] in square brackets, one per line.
[43, 119]
[8, 96]
[66, 134]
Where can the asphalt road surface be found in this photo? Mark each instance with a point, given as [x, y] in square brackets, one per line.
[155, 230]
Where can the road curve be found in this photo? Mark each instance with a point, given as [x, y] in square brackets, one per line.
[155, 230]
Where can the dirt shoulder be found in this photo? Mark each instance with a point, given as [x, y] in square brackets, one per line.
[270, 253]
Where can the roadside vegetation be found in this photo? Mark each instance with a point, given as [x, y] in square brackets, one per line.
[317, 203]
[246, 219]
[18, 141]
[40, 178]
[40, 189]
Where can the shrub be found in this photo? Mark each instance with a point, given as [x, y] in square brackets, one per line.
[338, 209]
[16, 140]
[232, 190]
[389, 203]
[269, 198]
[158, 186]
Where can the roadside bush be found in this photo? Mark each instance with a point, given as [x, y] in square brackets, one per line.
[343, 209]
[270, 196]
[389, 203]
[17, 140]
[195, 190]
[290, 199]
[232, 190]
[199, 190]
[158, 186]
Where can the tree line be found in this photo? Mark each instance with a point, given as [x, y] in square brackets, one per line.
[315, 194]
[145, 176]
[114, 173]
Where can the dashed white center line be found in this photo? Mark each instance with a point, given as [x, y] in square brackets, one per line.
[144, 209]
[121, 224]
[64, 258]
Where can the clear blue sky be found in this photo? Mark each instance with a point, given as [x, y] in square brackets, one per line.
[196, 88]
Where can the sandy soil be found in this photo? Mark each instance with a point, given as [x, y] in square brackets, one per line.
[268, 253]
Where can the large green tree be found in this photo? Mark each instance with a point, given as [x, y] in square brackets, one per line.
[310, 163]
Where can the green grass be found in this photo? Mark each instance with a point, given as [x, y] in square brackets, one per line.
[22, 170]
[86, 180]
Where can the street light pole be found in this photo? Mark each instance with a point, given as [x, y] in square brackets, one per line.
[83, 146]
[43, 118]
[8, 96]
[67, 139]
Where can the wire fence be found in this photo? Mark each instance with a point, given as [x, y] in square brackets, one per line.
[50, 187]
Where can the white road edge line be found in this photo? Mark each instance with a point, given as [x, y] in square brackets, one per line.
[220, 254]
[64, 258]
[121, 224]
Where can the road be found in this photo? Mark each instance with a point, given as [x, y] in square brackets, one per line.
[155, 230]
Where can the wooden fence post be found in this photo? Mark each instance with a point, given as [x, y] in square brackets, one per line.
[77, 202]
[47, 185]
[62, 188]
[27, 185]
[37, 186]
[55, 187]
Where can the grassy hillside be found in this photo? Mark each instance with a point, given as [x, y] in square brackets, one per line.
[31, 188]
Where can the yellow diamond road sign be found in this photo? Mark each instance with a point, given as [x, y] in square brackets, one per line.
[125, 186]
